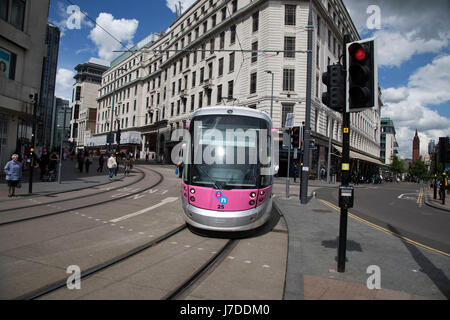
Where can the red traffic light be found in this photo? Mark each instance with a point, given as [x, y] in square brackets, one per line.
[357, 52]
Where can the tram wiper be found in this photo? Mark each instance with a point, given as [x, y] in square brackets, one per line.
[212, 180]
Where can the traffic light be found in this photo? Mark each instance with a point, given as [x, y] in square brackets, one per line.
[444, 150]
[362, 75]
[296, 137]
[334, 79]
[118, 136]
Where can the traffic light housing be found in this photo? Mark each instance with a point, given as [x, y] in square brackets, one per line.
[334, 79]
[296, 137]
[118, 136]
[362, 75]
[444, 150]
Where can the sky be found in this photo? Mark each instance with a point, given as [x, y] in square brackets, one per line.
[413, 51]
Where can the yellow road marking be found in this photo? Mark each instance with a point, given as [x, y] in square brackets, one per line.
[385, 230]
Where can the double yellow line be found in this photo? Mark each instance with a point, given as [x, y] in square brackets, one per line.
[420, 197]
[385, 230]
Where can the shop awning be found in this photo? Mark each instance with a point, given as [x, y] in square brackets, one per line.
[357, 155]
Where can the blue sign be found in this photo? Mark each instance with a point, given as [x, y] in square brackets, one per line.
[219, 195]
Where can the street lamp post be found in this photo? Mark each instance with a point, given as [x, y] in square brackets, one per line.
[271, 96]
[63, 131]
[112, 111]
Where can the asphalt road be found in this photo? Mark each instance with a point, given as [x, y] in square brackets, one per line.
[399, 208]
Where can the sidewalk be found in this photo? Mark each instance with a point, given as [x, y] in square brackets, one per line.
[71, 180]
[436, 203]
[406, 271]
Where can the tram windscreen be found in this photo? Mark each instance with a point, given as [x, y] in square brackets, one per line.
[225, 151]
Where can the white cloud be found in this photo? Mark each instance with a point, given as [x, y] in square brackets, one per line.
[407, 28]
[64, 83]
[408, 106]
[173, 4]
[122, 29]
[64, 21]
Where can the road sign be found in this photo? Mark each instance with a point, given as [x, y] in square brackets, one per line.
[289, 120]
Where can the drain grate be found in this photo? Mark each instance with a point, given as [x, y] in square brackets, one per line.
[321, 211]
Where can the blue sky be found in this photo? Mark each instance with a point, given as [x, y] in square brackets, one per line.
[413, 38]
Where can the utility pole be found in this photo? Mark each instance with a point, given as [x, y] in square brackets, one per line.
[33, 143]
[61, 148]
[307, 130]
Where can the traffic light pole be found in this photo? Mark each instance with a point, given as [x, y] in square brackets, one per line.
[307, 128]
[33, 144]
[342, 246]
[288, 165]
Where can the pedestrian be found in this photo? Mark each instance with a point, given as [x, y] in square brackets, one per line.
[87, 162]
[127, 165]
[112, 165]
[101, 162]
[146, 157]
[80, 161]
[13, 171]
[44, 160]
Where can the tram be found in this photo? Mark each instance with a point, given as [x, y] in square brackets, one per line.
[228, 172]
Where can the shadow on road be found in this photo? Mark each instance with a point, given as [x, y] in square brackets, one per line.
[426, 266]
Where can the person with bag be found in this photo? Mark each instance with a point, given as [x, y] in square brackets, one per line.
[13, 171]
[112, 165]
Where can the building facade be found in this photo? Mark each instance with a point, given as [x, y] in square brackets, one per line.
[84, 102]
[219, 52]
[416, 147]
[46, 102]
[23, 29]
[62, 113]
[389, 145]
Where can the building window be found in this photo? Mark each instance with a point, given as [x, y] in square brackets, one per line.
[318, 57]
[230, 89]
[13, 12]
[235, 6]
[192, 102]
[194, 76]
[288, 79]
[289, 15]
[285, 109]
[253, 78]
[202, 75]
[211, 45]
[220, 67]
[8, 65]
[222, 40]
[200, 100]
[289, 47]
[255, 51]
[232, 34]
[255, 21]
[231, 67]
[219, 94]
[214, 20]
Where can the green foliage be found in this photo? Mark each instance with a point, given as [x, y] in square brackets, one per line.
[397, 165]
[418, 169]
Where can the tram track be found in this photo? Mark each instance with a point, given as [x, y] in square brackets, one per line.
[77, 197]
[108, 200]
[45, 290]
[206, 268]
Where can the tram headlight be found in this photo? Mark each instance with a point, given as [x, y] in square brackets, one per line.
[192, 199]
[262, 193]
[192, 191]
[252, 202]
[253, 195]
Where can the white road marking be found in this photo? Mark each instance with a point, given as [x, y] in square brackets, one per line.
[132, 215]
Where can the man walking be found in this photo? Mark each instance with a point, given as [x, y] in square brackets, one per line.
[112, 165]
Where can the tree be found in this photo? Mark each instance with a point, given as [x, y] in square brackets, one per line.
[396, 165]
[418, 169]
